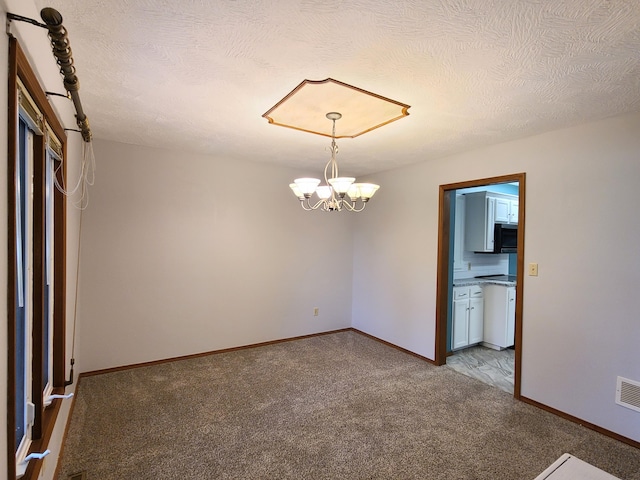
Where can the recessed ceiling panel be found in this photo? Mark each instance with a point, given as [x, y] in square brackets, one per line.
[305, 109]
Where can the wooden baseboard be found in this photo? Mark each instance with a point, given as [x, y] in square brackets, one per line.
[205, 354]
[393, 346]
[581, 422]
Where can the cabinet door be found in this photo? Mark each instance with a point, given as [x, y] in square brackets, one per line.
[458, 234]
[476, 323]
[496, 302]
[502, 210]
[511, 316]
[513, 218]
[490, 224]
[460, 334]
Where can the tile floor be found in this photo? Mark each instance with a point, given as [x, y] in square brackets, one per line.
[485, 364]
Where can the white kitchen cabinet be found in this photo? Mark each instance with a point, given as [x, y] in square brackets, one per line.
[479, 222]
[476, 320]
[458, 234]
[499, 316]
[513, 211]
[482, 211]
[502, 210]
[506, 210]
[467, 316]
[460, 331]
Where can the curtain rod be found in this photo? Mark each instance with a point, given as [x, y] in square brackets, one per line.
[62, 51]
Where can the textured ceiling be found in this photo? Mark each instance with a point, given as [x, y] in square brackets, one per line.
[197, 75]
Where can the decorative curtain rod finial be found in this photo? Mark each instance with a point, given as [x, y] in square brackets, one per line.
[51, 17]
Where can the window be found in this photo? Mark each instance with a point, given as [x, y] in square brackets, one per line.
[48, 287]
[36, 267]
[23, 311]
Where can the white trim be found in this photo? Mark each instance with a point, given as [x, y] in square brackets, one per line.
[25, 279]
[21, 454]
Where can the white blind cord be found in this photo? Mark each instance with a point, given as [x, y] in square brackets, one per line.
[87, 177]
[75, 305]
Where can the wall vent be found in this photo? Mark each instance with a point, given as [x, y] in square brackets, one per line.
[78, 476]
[628, 394]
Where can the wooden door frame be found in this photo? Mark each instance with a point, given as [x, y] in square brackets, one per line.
[442, 286]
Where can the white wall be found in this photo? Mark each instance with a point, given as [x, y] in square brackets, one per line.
[186, 253]
[580, 319]
[35, 43]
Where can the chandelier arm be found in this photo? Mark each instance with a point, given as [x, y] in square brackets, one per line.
[305, 207]
[348, 206]
[317, 205]
[326, 167]
[352, 207]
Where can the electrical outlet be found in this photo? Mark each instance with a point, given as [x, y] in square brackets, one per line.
[316, 312]
[533, 269]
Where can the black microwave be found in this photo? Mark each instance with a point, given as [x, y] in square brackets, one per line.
[505, 238]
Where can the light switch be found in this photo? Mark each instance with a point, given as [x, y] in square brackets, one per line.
[533, 269]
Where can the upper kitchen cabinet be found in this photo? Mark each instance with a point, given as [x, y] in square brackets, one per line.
[482, 211]
[506, 210]
[458, 234]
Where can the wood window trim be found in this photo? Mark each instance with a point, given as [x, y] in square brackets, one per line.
[45, 417]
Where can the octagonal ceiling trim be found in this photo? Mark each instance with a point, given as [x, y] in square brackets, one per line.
[306, 106]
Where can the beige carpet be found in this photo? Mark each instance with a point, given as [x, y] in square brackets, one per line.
[337, 406]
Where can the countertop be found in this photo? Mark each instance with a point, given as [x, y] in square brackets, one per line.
[507, 280]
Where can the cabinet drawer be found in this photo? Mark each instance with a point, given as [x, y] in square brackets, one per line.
[475, 291]
[460, 293]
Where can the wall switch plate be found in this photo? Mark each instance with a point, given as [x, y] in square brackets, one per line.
[316, 311]
[533, 269]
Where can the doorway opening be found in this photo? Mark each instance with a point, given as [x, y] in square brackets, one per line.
[482, 216]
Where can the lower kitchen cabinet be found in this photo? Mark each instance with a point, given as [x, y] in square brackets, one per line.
[467, 316]
[499, 316]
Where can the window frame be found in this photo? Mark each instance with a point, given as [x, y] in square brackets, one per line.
[44, 418]
[24, 257]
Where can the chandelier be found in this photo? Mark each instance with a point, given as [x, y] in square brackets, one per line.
[337, 193]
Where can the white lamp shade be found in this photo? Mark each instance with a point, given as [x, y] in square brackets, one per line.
[341, 184]
[323, 192]
[307, 185]
[354, 192]
[367, 190]
[296, 191]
